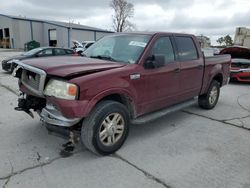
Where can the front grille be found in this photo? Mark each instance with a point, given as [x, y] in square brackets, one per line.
[32, 79]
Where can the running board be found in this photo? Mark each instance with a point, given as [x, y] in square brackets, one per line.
[155, 115]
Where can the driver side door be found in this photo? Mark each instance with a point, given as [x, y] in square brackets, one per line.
[162, 83]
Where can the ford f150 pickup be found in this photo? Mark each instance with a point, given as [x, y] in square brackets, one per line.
[123, 78]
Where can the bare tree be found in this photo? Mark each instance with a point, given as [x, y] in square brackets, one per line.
[123, 10]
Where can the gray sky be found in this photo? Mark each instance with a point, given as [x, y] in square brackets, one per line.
[213, 18]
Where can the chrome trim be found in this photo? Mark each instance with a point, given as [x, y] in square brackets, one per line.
[52, 116]
[135, 76]
[42, 74]
[240, 70]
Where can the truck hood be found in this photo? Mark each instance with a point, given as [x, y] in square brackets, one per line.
[68, 66]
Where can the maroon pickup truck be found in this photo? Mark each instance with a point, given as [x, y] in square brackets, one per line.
[124, 78]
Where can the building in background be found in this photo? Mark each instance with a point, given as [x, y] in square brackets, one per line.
[204, 41]
[242, 37]
[16, 31]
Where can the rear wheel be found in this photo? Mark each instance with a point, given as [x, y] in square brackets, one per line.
[210, 99]
[106, 129]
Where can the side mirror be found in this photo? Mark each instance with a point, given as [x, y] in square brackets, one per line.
[155, 61]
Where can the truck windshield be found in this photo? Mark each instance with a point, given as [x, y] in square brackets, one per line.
[124, 48]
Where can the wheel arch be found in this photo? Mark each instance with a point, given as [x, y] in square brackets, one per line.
[122, 97]
[219, 78]
[217, 75]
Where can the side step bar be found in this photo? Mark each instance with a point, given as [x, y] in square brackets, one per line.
[155, 115]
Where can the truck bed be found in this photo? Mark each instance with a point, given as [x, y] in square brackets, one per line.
[215, 64]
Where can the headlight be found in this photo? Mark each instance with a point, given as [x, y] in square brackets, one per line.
[61, 89]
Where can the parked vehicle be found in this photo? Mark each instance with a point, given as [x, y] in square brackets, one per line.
[7, 64]
[137, 77]
[87, 44]
[209, 51]
[240, 67]
[79, 48]
[216, 51]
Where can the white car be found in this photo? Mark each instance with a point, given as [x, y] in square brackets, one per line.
[87, 44]
[209, 51]
[80, 47]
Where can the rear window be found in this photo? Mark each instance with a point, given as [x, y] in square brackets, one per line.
[186, 48]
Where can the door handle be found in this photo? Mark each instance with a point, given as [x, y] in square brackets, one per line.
[200, 66]
[177, 70]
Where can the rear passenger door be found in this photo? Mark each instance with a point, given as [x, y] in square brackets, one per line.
[191, 67]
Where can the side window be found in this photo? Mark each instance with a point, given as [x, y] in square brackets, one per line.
[69, 52]
[47, 52]
[186, 48]
[163, 46]
[59, 52]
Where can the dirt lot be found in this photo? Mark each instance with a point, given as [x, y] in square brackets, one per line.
[191, 148]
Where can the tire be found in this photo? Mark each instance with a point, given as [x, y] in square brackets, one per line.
[109, 120]
[210, 99]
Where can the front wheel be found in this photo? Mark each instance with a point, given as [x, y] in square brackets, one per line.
[210, 99]
[106, 129]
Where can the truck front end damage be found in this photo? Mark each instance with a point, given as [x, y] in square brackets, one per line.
[32, 84]
[53, 116]
[28, 102]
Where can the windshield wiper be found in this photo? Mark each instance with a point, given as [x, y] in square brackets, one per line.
[104, 57]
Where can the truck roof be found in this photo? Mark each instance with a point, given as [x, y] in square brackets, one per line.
[153, 33]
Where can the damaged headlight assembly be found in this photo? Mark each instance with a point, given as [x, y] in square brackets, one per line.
[61, 89]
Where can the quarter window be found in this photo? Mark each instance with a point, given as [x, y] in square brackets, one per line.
[186, 48]
[163, 47]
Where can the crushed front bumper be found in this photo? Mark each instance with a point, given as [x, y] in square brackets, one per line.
[52, 116]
